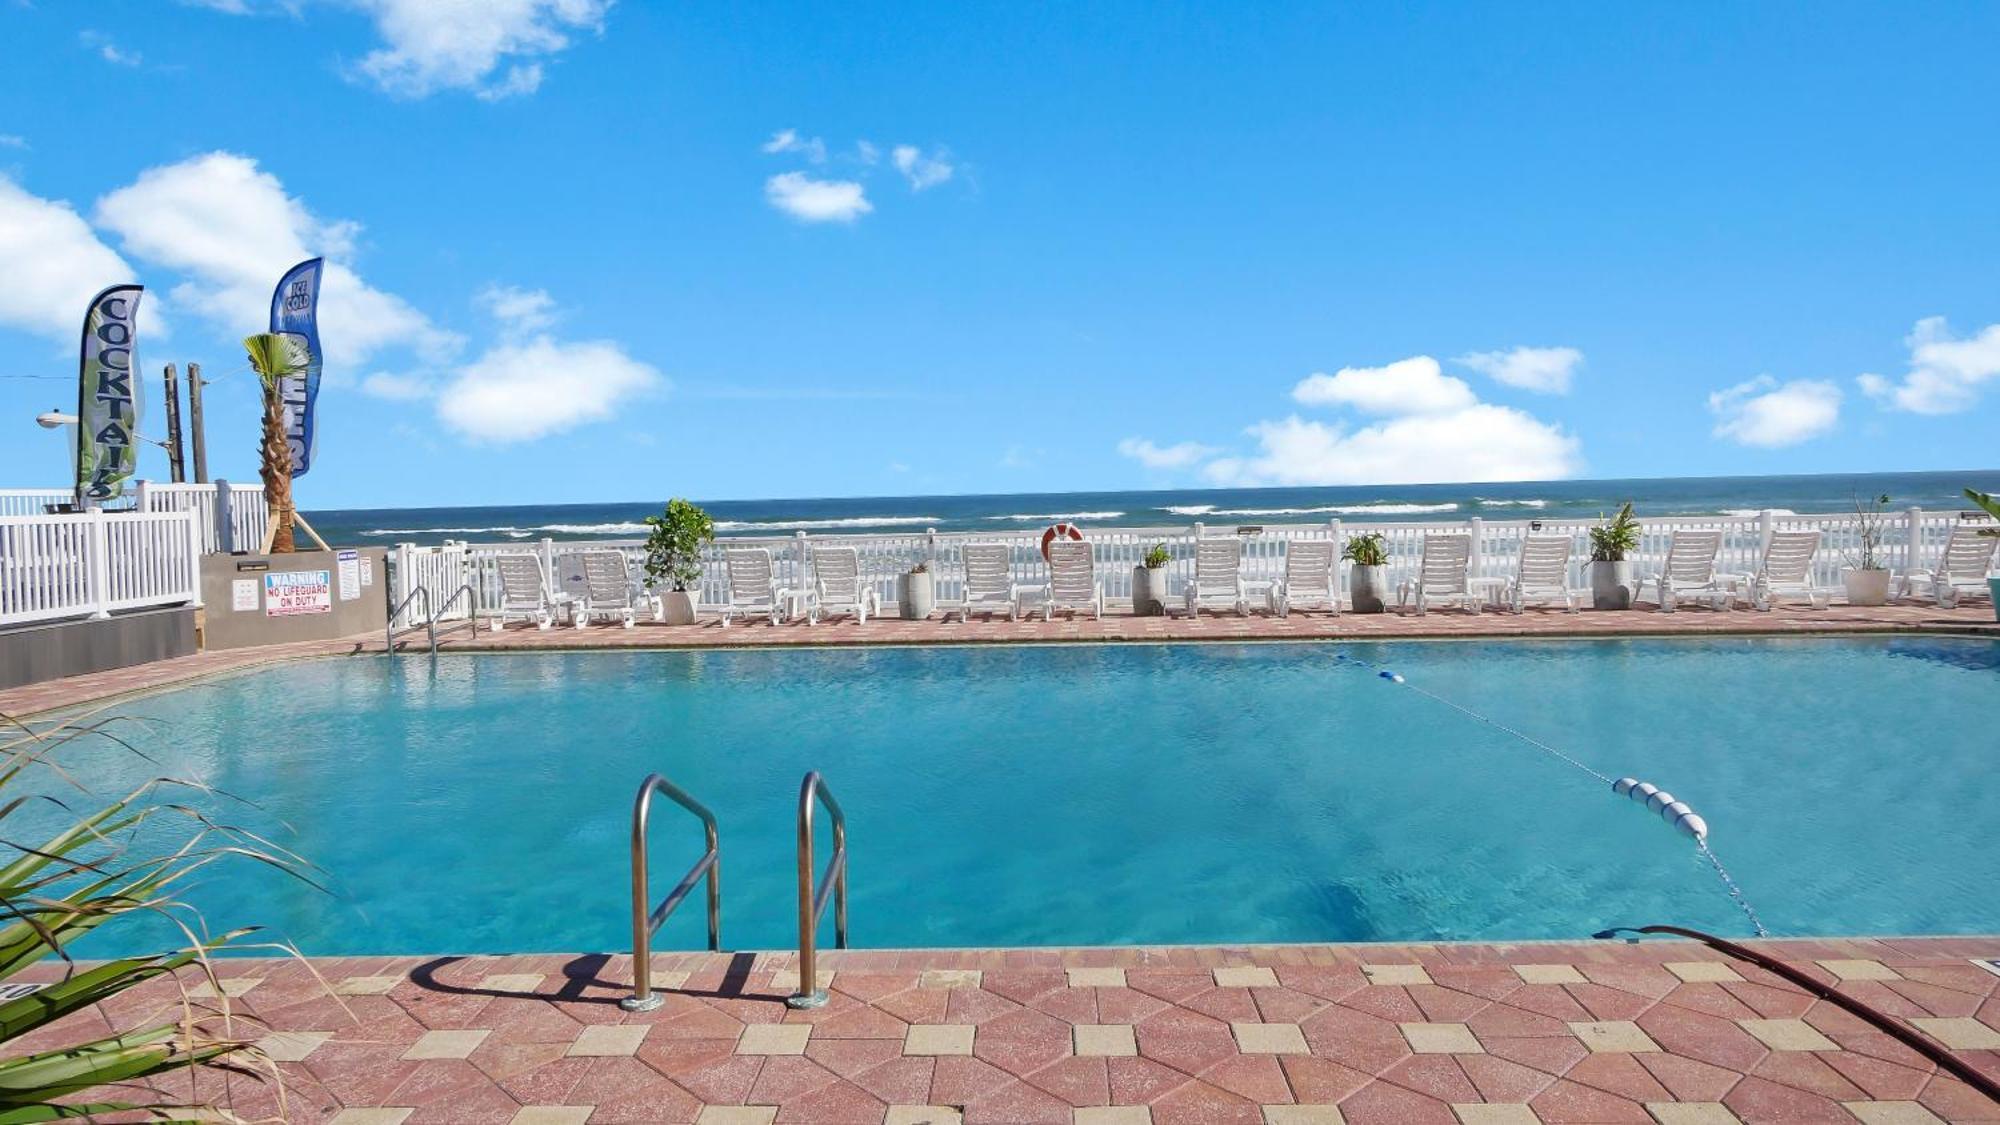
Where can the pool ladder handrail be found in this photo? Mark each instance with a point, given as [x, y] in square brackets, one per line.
[430, 615]
[646, 923]
[812, 900]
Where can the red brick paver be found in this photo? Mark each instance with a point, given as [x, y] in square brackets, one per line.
[1554, 1032]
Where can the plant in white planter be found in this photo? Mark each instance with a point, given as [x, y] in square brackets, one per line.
[1867, 580]
[1149, 582]
[916, 592]
[1991, 507]
[1612, 542]
[673, 558]
[1368, 577]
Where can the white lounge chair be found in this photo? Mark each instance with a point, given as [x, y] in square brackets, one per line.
[1445, 571]
[753, 586]
[1543, 573]
[1689, 572]
[1073, 583]
[1311, 576]
[524, 593]
[1786, 570]
[989, 581]
[839, 588]
[607, 590]
[1218, 576]
[1961, 569]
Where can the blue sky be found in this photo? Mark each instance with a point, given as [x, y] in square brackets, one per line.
[582, 258]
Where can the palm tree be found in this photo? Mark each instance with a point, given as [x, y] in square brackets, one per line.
[275, 356]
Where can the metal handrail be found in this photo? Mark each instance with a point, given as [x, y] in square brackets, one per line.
[431, 615]
[646, 923]
[812, 901]
[389, 630]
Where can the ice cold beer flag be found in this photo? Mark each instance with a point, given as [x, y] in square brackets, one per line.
[107, 400]
[295, 309]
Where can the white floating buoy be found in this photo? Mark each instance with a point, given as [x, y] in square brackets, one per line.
[1691, 825]
[1658, 800]
[1624, 785]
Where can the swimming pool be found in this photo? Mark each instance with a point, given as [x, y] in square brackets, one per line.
[1107, 793]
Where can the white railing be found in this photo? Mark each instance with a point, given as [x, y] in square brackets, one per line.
[1912, 538]
[233, 517]
[91, 564]
[441, 570]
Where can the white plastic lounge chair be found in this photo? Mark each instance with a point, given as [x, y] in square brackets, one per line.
[1310, 577]
[524, 593]
[989, 581]
[1218, 576]
[1543, 573]
[607, 589]
[1787, 570]
[839, 588]
[1690, 571]
[753, 586]
[1961, 569]
[1073, 581]
[1444, 572]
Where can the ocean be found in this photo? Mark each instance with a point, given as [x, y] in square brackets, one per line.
[1571, 499]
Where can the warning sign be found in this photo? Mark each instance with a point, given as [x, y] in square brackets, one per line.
[292, 592]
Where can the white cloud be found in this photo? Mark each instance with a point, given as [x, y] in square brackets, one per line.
[1482, 442]
[396, 388]
[55, 264]
[231, 229]
[1946, 372]
[519, 311]
[788, 140]
[1179, 456]
[1765, 413]
[922, 171]
[1543, 370]
[521, 391]
[109, 51]
[866, 152]
[432, 45]
[1407, 386]
[816, 201]
[13, 140]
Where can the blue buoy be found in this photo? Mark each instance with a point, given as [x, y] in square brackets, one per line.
[1391, 677]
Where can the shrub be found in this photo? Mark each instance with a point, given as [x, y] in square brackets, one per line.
[1367, 549]
[673, 546]
[1616, 538]
[1157, 557]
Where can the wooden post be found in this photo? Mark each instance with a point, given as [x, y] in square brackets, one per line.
[196, 440]
[225, 521]
[176, 462]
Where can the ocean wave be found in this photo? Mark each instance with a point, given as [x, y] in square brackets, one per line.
[1485, 503]
[1758, 511]
[1382, 509]
[807, 525]
[1189, 509]
[1059, 516]
[514, 532]
[620, 528]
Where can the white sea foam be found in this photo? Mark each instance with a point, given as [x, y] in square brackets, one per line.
[1485, 503]
[1189, 509]
[1059, 516]
[1336, 510]
[1758, 511]
[513, 532]
[620, 528]
[808, 525]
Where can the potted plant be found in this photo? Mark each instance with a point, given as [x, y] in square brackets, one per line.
[1612, 585]
[673, 559]
[1149, 582]
[1368, 577]
[916, 592]
[1867, 581]
[1991, 507]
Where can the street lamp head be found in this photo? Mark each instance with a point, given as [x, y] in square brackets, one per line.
[54, 419]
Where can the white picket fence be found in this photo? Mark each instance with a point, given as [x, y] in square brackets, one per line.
[92, 564]
[1912, 538]
[232, 516]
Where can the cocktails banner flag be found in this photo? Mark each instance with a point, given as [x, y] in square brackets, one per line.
[295, 308]
[107, 396]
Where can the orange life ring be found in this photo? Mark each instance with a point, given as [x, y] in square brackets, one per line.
[1067, 531]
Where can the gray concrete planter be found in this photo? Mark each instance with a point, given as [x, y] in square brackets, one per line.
[1612, 585]
[1368, 588]
[1866, 587]
[676, 607]
[916, 595]
[1149, 591]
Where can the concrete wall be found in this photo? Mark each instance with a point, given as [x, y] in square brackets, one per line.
[51, 651]
[241, 608]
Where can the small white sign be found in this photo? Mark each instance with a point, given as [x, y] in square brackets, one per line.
[367, 570]
[243, 595]
[293, 592]
[348, 563]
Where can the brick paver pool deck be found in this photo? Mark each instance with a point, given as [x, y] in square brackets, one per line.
[1664, 1031]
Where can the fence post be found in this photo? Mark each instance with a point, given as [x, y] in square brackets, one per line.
[799, 579]
[225, 523]
[930, 546]
[1913, 550]
[1477, 525]
[548, 565]
[194, 554]
[1765, 521]
[97, 555]
[139, 497]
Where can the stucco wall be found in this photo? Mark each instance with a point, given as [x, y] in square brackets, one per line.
[241, 608]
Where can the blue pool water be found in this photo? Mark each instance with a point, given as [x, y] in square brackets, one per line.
[1106, 794]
